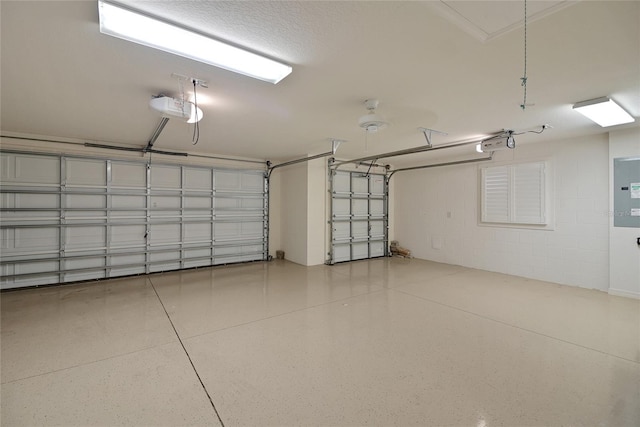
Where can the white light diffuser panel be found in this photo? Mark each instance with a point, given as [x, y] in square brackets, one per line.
[126, 24]
[603, 111]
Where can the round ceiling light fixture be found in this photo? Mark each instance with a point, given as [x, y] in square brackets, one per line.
[372, 122]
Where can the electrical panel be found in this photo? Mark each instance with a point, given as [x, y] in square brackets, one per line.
[626, 192]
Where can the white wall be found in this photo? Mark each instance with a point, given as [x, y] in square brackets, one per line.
[275, 212]
[303, 188]
[624, 253]
[316, 211]
[575, 252]
[294, 212]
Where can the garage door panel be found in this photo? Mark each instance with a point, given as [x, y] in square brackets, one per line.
[252, 203]
[377, 185]
[360, 250]
[91, 237]
[359, 185]
[35, 280]
[376, 208]
[376, 229]
[6, 168]
[359, 207]
[127, 217]
[32, 169]
[165, 261]
[78, 201]
[238, 230]
[252, 229]
[342, 208]
[341, 231]
[128, 201]
[128, 235]
[197, 253]
[7, 239]
[358, 217]
[83, 172]
[166, 177]
[164, 234]
[227, 180]
[226, 255]
[128, 175]
[197, 203]
[32, 239]
[79, 264]
[32, 201]
[165, 202]
[133, 217]
[342, 253]
[197, 232]
[360, 229]
[121, 265]
[198, 179]
[342, 182]
[252, 182]
[48, 216]
[35, 267]
[227, 203]
[377, 249]
[191, 263]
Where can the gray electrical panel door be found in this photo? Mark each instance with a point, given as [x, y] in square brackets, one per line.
[358, 216]
[69, 218]
[626, 195]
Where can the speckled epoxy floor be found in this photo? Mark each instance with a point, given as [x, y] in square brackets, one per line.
[379, 342]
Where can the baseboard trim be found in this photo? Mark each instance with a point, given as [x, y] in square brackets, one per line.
[621, 293]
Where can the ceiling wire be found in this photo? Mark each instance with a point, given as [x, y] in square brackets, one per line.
[366, 141]
[196, 126]
[370, 166]
[524, 77]
[543, 128]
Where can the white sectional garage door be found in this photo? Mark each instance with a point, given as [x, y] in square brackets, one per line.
[70, 218]
[358, 216]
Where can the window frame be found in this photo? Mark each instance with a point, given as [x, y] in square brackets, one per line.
[511, 219]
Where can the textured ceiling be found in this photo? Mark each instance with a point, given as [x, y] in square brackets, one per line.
[62, 78]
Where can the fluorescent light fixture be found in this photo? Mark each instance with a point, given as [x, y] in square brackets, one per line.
[603, 111]
[118, 21]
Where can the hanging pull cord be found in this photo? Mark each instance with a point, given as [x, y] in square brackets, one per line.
[196, 125]
[370, 166]
[524, 77]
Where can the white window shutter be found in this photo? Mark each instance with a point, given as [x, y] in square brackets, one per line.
[528, 193]
[495, 194]
[514, 194]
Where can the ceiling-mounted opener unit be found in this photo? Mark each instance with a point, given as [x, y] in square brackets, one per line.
[172, 108]
[501, 142]
[175, 108]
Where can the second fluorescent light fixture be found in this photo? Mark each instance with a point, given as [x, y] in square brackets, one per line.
[126, 24]
[603, 111]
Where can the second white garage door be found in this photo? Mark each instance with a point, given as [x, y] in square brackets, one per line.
[358, 216]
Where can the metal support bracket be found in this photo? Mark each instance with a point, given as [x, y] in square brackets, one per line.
[335, 143]
[428, 132]
[156, 134]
